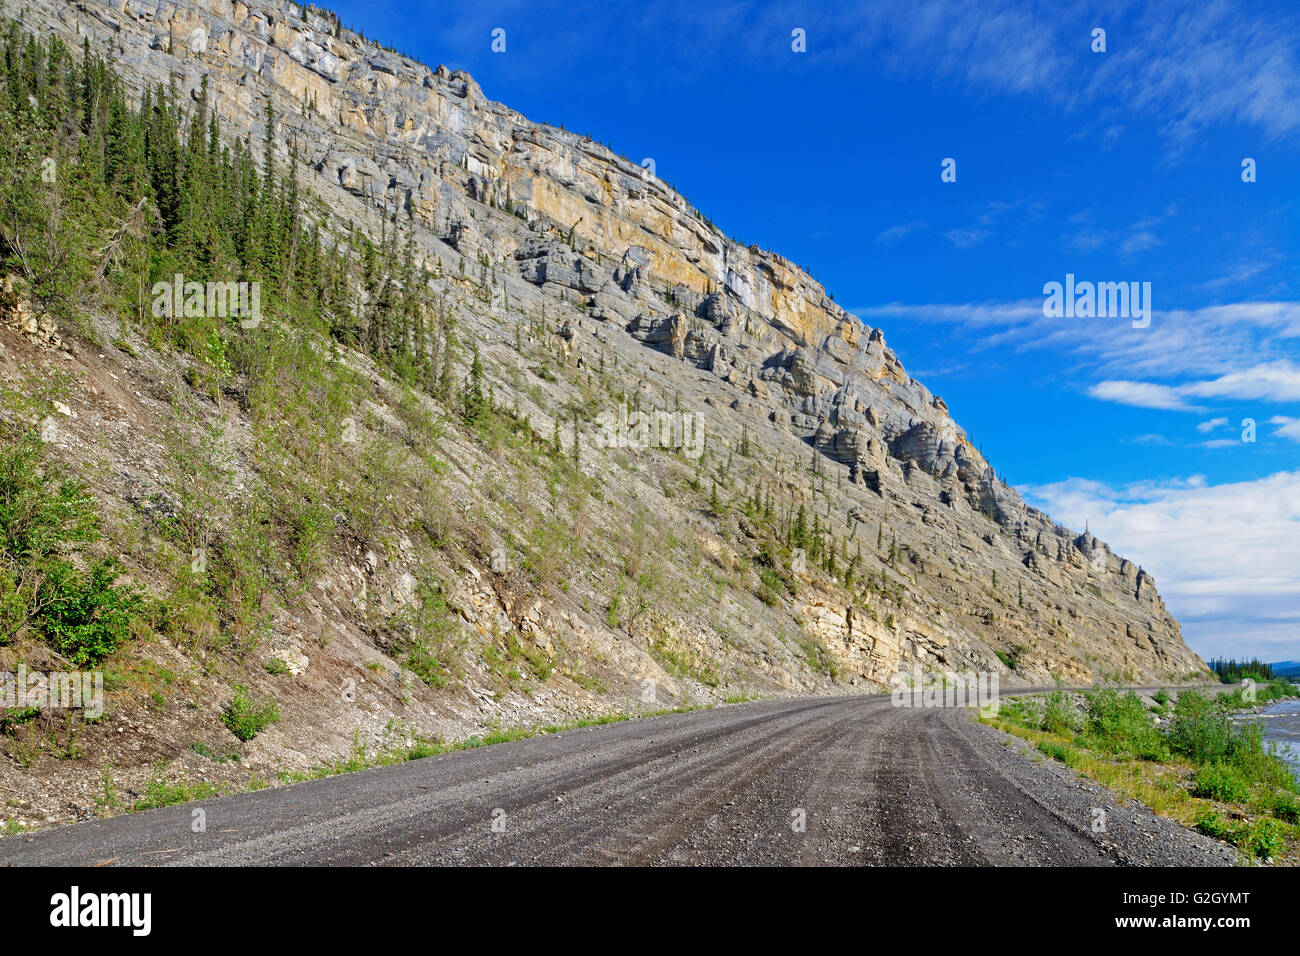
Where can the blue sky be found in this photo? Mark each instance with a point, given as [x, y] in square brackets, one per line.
[1117, 166]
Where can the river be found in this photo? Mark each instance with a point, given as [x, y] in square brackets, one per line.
[1282, 725]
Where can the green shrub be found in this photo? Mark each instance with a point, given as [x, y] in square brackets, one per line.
[1020, 711]
[1264, 838]
[83, 615]
[1263, 692]
[1119, 723]
[45, 519]
[435, 629]
[203, 750]
[1200, 730]
[1215, 824]
[772, 586]
[612, 612]
[1284, 806]
[427, 661]
[247, 718]
[1059, 714]
[1221, 782]
[1258, 761]
[40, 512]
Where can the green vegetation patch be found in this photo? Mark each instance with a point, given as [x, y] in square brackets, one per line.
[1209, 772]
[245, 717]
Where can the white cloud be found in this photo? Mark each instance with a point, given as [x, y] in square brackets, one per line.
[987, 218]
[1226, 557]
[1274, 381]
[1139, 242]
[1287, 427]
[1211, 425]
[966, 238]
[896, 233]
[1271, 381]
[1177, 67]
[1140, 394]
[1184, 69]
[1240, 351]
[1244, 270]
[1139, 236]
[1151, 438]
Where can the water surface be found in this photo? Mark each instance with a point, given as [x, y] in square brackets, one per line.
[1281, 723]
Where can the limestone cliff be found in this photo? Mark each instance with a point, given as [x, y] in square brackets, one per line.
[601, 265]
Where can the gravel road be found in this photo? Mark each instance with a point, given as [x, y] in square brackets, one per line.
[822, 781]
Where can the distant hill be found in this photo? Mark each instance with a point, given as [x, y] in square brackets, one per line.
[1286, 668]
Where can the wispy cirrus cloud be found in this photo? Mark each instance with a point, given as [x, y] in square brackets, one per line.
[1196, 67]
[1170, 64]
[1273, 381]
[987, 218]
[1151, 438]
[1287, 427]
[901, 231]
[1179, 66]
[1141, 395]
[1247, 349]
[1268, 381]
[966, 238]
[1086, 236]
[1186, 360]
[1243, 271]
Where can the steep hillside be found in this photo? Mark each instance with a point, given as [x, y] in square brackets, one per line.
[519, 436]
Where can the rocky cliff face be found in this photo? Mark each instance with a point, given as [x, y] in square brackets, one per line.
[633, 290]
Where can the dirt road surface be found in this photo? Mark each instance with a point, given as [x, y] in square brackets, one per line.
[818, 781]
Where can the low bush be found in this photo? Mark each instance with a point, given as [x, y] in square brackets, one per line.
[245, 717]
[1283, 805]
[1120, 724]
[1221, 782]
[1059, 714]
[82, 614]
[71, 603]
[1200, 730]
[1264, 838]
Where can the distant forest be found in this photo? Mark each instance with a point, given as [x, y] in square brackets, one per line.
[1234, 671]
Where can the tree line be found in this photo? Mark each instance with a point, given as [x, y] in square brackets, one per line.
[102, 197]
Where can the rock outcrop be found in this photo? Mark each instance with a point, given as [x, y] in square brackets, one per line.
[625, 267]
